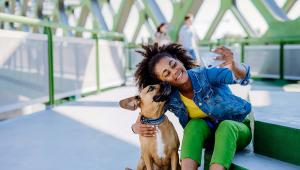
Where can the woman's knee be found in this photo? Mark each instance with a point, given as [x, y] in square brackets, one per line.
[227, 128]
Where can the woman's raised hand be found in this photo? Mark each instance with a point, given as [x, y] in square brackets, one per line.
[143, 129]
[226, 56]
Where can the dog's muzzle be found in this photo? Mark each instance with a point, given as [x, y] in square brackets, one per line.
[164, 92]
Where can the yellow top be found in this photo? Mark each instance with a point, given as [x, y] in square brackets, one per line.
[193, 110]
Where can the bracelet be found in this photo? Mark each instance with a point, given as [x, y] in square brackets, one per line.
[132, 129]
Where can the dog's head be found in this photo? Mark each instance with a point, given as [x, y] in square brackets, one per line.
[151, 99]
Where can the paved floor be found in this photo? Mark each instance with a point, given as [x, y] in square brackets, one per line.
[92, 133]
[276, 104]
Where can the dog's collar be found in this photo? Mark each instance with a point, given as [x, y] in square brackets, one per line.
[150, 121]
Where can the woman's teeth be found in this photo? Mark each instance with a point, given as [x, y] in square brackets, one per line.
[179, 76]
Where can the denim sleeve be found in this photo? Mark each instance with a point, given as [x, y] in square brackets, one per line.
[244, 81]
[225, 76]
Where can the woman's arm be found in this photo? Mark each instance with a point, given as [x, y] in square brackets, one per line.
[143, 129]
[241, 72]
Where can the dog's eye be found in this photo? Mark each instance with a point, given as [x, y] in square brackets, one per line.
[151, 88]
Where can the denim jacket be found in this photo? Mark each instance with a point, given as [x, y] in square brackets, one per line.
[212, 95]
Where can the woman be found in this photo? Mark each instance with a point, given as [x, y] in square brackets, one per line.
[161, 36]
[201, 100]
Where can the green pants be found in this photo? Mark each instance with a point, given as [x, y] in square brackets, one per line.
[228, 137]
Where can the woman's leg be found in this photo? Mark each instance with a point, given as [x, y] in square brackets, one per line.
[229, 136]
[195, 134]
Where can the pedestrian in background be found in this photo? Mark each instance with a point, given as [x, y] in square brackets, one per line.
[161, 36]
[188, 37]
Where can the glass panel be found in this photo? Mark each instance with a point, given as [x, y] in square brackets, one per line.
[23, 69]
[264, 60]
[74, 66]
[130, 27]
[295, 12]
[252, 15]
[291, 62]
[229, 27]
[112, 63]
[166, 7]
[205, 16]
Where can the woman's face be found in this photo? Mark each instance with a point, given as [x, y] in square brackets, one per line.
[171, 70]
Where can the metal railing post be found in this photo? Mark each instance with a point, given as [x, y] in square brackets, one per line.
[242, 52]
[50, 66]
[95, 36]
[281, 61]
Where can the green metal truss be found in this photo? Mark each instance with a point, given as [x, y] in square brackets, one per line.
[121, 17]
[181, 8]
[276, 17]
[288, 5]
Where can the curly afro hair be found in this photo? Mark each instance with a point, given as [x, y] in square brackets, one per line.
[152, 54]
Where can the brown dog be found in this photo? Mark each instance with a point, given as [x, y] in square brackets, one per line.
[161, 151]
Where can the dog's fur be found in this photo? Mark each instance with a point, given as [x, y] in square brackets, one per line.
[161, 151]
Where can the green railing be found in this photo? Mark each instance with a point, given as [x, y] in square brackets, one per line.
[48, 26]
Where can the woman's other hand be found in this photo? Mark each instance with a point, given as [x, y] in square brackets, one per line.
[226, 56]
[143, 129]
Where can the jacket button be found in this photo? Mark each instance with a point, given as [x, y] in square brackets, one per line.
[200, 104]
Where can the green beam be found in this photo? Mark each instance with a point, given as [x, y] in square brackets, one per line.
[95, 9]
[86, 9]
[246, 26]
[224, 7]
[153, 11]
[142, 19]
[84, 12]
[36, 22]
[121, 17]
[288, 5]
[215, 23]
[62, 16]
[263, 10]
[180, 9]
[284, 29]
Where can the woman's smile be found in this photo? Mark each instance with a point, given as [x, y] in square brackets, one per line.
[179, 76]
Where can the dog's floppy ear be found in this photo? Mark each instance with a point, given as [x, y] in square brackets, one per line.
[131, 103]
